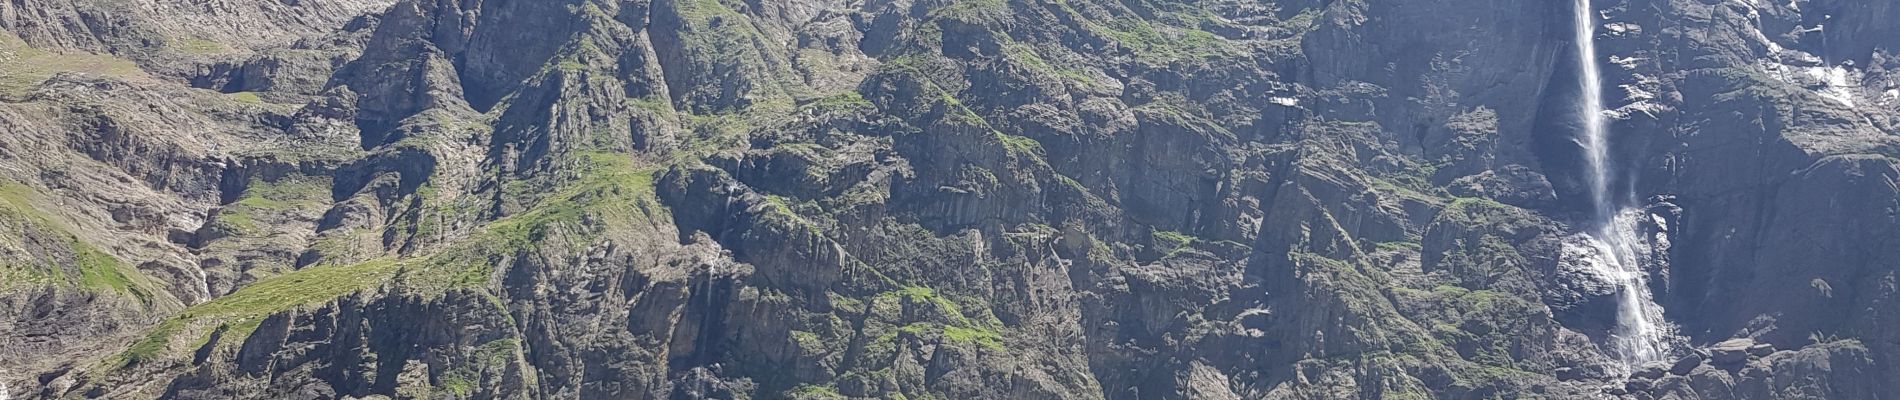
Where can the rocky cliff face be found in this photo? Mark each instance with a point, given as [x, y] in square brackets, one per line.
[1137, 199]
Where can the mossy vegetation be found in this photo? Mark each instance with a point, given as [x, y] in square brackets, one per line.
[1020, 144]
[941, 317]
[612, 193]
[1301, 21]
[488, 359]
[981, 336]
[718, 37]
[1172, 239]
[1453, 327]
[1171, 243]
[814, 392]
[1030, 57]
[792, 210]
[1471, 319]
[1163, 43]
[1410, 181]
[1473, 209]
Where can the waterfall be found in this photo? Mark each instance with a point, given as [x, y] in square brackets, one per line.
[1596, 141]
[1640, 333]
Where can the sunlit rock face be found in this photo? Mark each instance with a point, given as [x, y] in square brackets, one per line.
[987, 199]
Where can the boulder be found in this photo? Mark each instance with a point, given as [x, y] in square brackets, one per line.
[1731, 351]
[1569, 374]
[1686, 364]
[1650, 371]
[1638, 385]
[1761, 350]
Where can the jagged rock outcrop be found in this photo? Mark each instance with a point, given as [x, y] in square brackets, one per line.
[1031, 199]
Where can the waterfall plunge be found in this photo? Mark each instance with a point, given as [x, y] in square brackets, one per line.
[1640, 332]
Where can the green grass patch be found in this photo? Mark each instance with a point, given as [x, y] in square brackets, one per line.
[1030, 58]
[1162, 43]
[814, 392]
[1172, 238]
[1172, 242]
[458, 383]
[975, 11]
[23, 68]
[487, 359]
[243, 310]
[980, 336]
[611, 193]
[807, 340]
[292, 192]
[1398, 246]
[198, 46]
[96, 269]
[959, 327]
[1474, 209]
[1474, 203]
[926, 295]
[272, 197]
[99, 270]
[1301, 22]
[246, 97]
[1020, 144]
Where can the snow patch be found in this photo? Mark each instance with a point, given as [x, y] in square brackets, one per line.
[1627, 62]
[1834, 83]
[1284, 101]
[1839, 83]
[1638, 97]
[1622, 28]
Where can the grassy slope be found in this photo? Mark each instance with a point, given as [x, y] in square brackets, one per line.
[23, 68]
[73, 263]
[613, 191]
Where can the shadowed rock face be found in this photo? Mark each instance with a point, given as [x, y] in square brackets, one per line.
[991, 199]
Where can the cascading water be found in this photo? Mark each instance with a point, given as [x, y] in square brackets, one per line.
[1640, 334]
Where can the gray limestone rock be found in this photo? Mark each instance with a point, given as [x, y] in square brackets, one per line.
[1080, 199]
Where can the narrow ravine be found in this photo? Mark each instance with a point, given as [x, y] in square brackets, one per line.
[1640, 334]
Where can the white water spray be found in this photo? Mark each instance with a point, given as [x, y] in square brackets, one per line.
[1640, 333]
